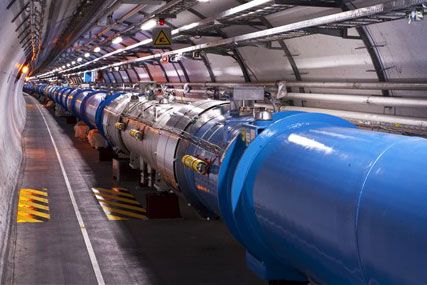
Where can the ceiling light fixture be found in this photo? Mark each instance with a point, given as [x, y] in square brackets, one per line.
[79, 59]
[190, 26]
[117, 40]
[149, 25]
[97, 49]
[73, 62]
[87, 54]
[25, 69]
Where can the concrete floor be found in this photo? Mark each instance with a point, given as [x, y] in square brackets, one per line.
[181, 251]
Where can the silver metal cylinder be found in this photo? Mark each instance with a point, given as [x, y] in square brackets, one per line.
[112, 120]
[92, 105]
[152, 129]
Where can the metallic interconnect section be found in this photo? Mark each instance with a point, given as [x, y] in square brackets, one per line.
[153, 129]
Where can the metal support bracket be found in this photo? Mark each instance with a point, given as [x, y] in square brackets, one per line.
[282, 90]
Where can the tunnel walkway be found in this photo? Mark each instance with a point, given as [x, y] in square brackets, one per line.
[63, 235]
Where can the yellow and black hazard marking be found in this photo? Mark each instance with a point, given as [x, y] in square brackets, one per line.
[119, 204]
[33, 206]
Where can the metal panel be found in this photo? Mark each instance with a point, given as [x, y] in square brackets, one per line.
[248, 93]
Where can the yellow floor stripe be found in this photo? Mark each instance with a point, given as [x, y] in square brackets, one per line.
[27, 219]
[39, 192]
[115, 218]
[121, 205]
[121, 189]
[116, 207]
[100, 191]
[31, 207]
[34, 198]
[31, 204]
[34, 213]
[111, 197]
[126, 213]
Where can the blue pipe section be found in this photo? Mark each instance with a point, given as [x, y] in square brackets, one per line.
[51, 92]
[63, 94]
[339, 204]
[64, 98]
[310, 196]
[79, 95]
[100, 110]
[58, 94]
[83, 106]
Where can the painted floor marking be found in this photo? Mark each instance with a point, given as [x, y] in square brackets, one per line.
[33, 206]
[92, 256]
[118, 208]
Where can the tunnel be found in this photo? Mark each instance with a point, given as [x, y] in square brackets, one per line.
[213, 142]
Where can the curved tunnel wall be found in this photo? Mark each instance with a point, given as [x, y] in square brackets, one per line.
[399, 49]
[12, 121]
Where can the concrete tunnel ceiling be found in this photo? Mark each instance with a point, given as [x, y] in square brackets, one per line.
[378, 52]
[338, 58]
[381, 51]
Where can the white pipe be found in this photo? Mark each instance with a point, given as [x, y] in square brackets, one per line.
[360, 99]
[314, 84]
[418, 123]
[360, 85]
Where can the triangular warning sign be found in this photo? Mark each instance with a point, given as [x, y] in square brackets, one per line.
[162, 39]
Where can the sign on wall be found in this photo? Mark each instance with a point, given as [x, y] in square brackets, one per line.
[162, 37]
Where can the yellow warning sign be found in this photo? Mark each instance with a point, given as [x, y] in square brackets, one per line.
[162, 37]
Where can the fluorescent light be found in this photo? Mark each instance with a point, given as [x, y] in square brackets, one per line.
[97, 49]
[149, 25]
[73, 62]
[79, 59]
[117, 40]
[190, 26]
[87, 54]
